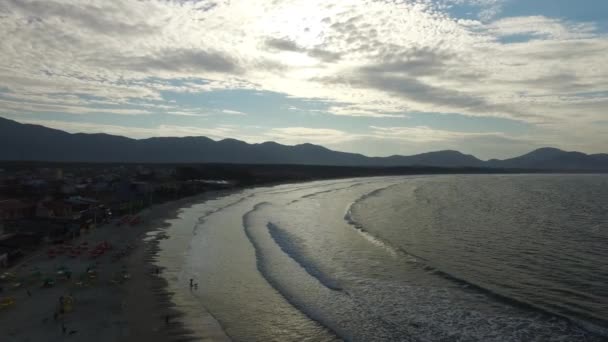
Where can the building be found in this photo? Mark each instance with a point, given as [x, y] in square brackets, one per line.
[14, 209]
[55, 209]
[80, 203]
[14, 246]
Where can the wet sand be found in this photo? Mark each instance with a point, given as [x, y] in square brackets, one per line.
[107, 307]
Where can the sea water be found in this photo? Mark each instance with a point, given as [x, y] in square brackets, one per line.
[419, 258]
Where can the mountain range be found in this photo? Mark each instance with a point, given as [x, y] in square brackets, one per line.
[26, 142]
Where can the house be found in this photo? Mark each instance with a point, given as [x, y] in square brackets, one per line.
[59, 174]
[68, 189]
[80, 203]
[129, 196]
[89, 208]
[144, 172]
[14, 246]
[100, 186]
[36, 183]
[109, 177]
[55, 209]
[14, 209]
[164, 173]
[35, 186]
[142, 187]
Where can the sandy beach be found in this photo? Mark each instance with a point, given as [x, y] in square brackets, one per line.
[118, 296]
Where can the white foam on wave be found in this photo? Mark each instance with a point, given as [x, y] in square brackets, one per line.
[369, 237]
[377, 301]
[288, 245]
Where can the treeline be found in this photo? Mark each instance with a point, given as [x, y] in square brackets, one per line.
[248, 175]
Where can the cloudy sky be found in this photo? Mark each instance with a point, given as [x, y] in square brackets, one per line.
[494, 78]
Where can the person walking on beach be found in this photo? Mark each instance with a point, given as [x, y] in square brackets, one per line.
[191, 280]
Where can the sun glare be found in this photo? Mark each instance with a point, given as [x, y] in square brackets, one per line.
[300, 21]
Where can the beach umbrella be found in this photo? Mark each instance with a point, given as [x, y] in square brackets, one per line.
[48, 282]
[6, 302]
[7, 275]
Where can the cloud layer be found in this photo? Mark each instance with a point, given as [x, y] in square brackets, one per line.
[364, 58]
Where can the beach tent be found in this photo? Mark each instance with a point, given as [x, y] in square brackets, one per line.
[63, 271]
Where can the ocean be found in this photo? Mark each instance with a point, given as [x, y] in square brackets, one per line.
[417, 258]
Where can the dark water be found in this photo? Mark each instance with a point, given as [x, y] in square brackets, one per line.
[448, 258]
[535, 240]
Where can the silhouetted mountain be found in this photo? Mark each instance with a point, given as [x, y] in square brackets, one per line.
[439, 158]
[554, 159]
[37, 143]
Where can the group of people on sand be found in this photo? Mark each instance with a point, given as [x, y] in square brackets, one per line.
[65, 306]
[193, 285]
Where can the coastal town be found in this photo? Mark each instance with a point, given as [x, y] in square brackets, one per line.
[73, 261]
[45, 206]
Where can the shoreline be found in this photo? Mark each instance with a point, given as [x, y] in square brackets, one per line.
[148, 299]
[104, 309]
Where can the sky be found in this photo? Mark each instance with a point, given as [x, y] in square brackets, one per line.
[493, 78]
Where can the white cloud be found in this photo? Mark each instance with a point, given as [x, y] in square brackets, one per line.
[540, 27]
[367, 58]
[185, 113]
[300, 135]
[232, 112]
[424, 134]
[219, 132]
[19, 106]
[374, 110]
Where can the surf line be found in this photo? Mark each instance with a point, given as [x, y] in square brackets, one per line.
[261, 266]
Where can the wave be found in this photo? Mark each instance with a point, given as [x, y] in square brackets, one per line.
[201, 219]
[262, 266]
[332, 190]
[309, 186]
[315, 296]
[369, 237]
[586, 325]
[294, 189]
[429, 267]
[348, 217]
[314, 194]
[285, 241]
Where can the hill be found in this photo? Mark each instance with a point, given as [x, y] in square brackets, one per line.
[26, 142]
